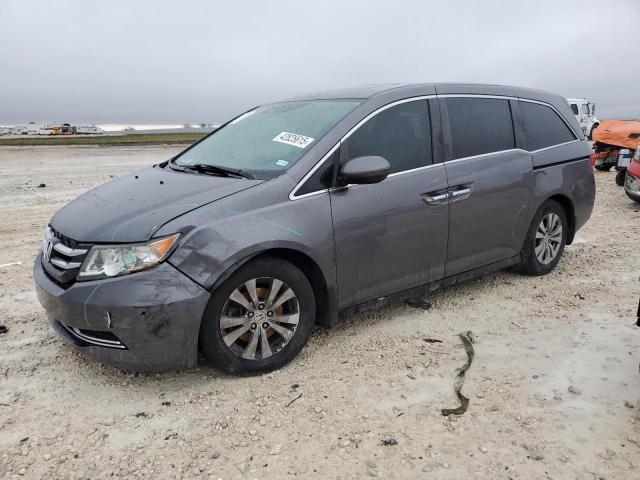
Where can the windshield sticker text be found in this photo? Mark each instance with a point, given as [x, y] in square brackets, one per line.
[293, 139]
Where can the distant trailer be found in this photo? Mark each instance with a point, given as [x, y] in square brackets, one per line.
[30, 129]
[5, 130]
[88, 130]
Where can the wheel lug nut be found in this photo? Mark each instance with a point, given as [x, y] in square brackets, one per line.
[261, 306]
[250, 314]
[269, 313]
[265, 325]
[254, 326]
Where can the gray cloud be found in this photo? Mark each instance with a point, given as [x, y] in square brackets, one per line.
[199, 61]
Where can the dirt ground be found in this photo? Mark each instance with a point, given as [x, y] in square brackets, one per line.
[371, 379]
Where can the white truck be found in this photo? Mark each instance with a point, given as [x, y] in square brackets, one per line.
[585, 113]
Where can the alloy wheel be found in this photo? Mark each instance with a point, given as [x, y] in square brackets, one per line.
[259, 318]
[548, 238]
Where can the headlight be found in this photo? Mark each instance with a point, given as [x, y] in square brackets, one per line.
[632, 183]
[113, 260]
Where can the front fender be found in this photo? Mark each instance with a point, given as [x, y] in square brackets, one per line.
[226, 233]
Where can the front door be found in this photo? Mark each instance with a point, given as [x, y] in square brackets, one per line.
[489, 182]
[391, 236]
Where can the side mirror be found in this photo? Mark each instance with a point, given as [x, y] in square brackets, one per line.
[365, 170]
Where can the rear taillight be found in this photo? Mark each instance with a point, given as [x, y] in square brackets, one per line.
[598, 156]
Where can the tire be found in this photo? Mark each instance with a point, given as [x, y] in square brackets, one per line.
[248, 354]
[593, 129]
[604, 167]
[620, 177]
[530, 263]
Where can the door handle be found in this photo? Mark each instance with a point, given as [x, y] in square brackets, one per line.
[459, 193]
[431, 199]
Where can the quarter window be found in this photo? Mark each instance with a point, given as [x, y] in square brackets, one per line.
[479, 126]
[574, 109]
[544, 127]
[321, 178]
[401, 134]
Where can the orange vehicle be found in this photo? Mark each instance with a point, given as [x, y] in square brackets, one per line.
[615, 144]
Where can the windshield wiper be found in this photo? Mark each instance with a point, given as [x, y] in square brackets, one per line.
[214, 170]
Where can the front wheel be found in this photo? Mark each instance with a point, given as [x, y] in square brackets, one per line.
[259, 319]
[546, 239]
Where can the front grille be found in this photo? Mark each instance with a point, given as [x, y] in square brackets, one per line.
[95, 337]
[62, 257]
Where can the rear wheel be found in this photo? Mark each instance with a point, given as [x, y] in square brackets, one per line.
[259, 319]
[620, 177]
[604, 167]
[546, 239]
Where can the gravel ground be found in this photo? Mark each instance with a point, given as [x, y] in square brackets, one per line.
[554, 388]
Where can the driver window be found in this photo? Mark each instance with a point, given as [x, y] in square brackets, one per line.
[401, 134]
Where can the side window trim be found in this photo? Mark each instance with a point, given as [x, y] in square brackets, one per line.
[444, 131]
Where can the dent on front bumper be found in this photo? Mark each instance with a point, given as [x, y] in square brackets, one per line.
[147, 321]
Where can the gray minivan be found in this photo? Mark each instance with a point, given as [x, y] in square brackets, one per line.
[300, 211]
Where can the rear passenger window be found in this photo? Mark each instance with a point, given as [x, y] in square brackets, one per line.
[479, 125]
[544, 126]
[574, 109]
[401, 134]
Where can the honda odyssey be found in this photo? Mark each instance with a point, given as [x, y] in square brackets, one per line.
[296, 212]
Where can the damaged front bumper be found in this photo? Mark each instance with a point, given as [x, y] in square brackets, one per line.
[147, 321]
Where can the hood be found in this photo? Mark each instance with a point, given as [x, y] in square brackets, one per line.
[132, 208]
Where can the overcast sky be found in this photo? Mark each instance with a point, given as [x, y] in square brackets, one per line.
[125, 61]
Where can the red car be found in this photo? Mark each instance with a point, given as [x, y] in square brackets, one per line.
[632, 179]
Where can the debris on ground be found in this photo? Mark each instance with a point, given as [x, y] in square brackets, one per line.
[42, 185]
[574, 390]
[296, 398]
[10, 264]
[3, 329]
[389, 442]
[467, 343]
[431, 340]
[417, 303]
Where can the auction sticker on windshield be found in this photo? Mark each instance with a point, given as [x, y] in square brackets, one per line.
[293, 139]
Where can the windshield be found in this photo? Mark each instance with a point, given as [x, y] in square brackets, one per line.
[268, 140]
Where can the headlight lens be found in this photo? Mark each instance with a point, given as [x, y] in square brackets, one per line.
[113, 260]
